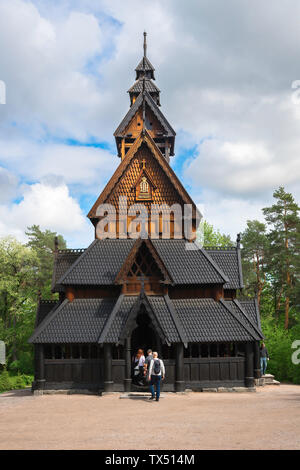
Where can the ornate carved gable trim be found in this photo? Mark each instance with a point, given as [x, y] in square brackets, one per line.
[122, 274]
[143, 137]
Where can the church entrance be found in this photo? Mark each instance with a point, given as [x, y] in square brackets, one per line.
[144, 336]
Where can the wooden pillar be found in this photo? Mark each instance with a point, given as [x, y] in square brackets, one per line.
[108, 383]
[257, 372]
[249, 369]
[122, 148]
[127, 350]
[179, 371]
[40, 367]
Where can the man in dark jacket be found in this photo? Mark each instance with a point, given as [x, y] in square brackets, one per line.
[264, 357]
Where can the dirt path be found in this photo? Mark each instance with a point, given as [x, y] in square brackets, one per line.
[267, 419]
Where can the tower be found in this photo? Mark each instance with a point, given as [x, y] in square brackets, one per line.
[145, 142]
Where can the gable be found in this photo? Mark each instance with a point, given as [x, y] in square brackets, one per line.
[153, 125]
[143, 262]
[119, 132]
[164, 193]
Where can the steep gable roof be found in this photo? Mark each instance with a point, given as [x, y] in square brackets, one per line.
[145, 64]
[229, 260]
[132, 256]
[135, 107]
[144, 137]
[186, 265]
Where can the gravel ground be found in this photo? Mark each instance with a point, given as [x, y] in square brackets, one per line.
[267, 419]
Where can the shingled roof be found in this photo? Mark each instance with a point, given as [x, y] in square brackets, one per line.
[144, 138]
[63, 260]
[250, 306]
[154, 108]
[145, 65]
[99, 264]
[205, 320]
[45, 307]
[242, 314]
[178, 320]
[188, 266]
[80, 321]
[138, 86]
[103, 320]
[229, 260]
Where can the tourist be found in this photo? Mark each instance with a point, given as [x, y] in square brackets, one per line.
[138, 367]
[264, 357]
[156, 373]
[148, 360]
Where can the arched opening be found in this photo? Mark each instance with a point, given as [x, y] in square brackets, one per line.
[144, 335]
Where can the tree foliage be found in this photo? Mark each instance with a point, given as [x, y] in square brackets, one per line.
[25, 274]
[210, 237]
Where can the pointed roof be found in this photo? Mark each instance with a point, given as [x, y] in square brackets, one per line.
[229, 260]
[143, 137]
[154, 108]
[146, 65]
[132, 255]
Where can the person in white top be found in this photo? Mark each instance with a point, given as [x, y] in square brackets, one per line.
[138, 368]
[156, 373]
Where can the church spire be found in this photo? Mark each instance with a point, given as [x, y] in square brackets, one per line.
[145, 44]
[144, 77]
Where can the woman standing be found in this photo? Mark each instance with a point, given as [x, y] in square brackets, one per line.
[138, 368]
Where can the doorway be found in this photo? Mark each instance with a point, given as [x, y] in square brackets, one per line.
[144, 336]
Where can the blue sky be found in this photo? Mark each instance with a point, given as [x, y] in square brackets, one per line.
[225, 74]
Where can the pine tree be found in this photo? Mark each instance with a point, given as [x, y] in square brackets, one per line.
[283, 219]
[254, 252]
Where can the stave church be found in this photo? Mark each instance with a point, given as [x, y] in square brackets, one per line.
[127, 292]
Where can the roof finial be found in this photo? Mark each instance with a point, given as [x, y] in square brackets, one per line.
[238, 240]
[145, 44]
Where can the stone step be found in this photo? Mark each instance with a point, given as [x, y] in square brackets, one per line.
[137, 395]
[267, 379]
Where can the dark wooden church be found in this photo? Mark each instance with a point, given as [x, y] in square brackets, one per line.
[121, 294]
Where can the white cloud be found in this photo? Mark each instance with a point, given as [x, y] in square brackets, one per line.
[51, 207]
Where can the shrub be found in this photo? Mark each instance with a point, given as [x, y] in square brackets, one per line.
[5, 383]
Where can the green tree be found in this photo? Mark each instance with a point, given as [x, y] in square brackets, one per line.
[18, 292]
[210, 237]
[42, 242]
[283, 265]
[254, 252]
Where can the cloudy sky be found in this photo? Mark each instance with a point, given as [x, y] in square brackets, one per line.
[225, 70]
